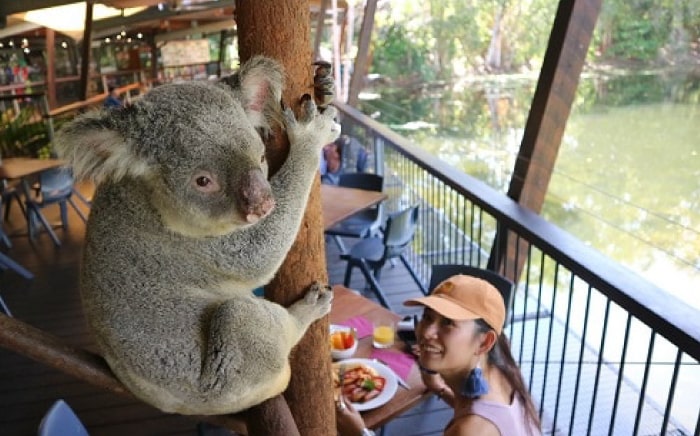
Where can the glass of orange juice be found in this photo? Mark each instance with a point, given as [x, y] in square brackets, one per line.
[383, 334]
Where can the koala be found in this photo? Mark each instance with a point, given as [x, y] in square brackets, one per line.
[184, 225]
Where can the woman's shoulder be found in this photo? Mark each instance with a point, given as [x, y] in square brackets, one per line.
[472, 425]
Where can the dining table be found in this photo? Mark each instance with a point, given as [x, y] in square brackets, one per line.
[21, 167]
[349, 304]
[339, 202]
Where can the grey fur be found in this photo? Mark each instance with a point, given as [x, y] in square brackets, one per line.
[168, 268]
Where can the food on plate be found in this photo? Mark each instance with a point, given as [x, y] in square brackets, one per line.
[360, 383]
[342, 340]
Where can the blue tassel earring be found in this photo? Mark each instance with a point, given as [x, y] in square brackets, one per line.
[475, 385]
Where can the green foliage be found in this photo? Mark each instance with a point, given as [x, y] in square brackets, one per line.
[451, 38]
[23, 134]
[636, 40]
[398, 55]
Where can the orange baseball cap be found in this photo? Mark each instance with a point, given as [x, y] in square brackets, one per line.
[463, 297]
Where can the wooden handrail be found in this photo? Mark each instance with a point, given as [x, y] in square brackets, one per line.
[91, 368]
[97, 99]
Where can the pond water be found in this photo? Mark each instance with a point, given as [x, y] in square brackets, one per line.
[627, 178]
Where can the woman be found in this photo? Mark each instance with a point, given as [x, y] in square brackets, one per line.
[465, 359]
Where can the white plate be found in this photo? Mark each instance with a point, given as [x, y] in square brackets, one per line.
[390, 386]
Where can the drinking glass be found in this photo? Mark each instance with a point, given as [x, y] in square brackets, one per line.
[383, 334]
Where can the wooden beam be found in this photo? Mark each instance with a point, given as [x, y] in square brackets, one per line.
[222, 48]
[85, 52]
[51, 67]
[571, 35]
[361, 61]
[154, 59]
[110, 25]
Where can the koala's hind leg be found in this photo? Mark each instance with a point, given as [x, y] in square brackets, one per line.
[246, 359]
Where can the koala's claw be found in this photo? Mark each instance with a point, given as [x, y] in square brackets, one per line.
[305, 98]
[316, 292]
[308, 108]
[289, 118]
[315, 304]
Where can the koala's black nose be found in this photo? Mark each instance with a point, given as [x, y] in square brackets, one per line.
[255, 200]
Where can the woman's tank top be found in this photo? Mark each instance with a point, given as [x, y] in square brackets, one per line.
[511, 420]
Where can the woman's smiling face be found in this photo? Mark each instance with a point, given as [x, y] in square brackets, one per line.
[447, 346]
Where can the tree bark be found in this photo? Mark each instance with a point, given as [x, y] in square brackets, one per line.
[281, 30]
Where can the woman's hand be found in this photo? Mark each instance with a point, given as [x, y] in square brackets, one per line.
[435, 383]
[348, 420]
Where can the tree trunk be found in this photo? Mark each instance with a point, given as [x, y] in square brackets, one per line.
[281, 30]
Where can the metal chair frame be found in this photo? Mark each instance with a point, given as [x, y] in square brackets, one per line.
[371, 254]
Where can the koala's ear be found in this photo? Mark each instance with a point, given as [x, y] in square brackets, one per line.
[96, 150]
[259, 85]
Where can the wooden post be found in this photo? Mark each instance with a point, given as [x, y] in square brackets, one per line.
[222, 48]
[320, 24]
[85, 60]
[281, 30]
[51, 67]
[551, 105]
[360, 68]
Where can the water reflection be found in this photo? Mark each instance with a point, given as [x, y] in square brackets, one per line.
[627, 179]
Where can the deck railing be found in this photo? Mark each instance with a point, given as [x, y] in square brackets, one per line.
[603, 351]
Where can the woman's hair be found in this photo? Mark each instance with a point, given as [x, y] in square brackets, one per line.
[501, 357]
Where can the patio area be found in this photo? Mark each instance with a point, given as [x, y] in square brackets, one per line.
[51, 302]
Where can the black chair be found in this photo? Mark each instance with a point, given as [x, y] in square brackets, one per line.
[363, 224]
[56, 186]
[4, 202]
[3, 307]
[371, 254]
[504, 286]
[11, 191]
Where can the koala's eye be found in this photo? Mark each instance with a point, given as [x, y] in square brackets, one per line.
[262, 159]
[205, 182]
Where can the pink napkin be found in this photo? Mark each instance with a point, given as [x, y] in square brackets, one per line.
[400, 362]
[362, 326]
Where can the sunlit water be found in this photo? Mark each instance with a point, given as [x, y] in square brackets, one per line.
[627, 178]
[626, 182]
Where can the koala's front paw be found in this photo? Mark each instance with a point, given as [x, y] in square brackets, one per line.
[313, 129]
[315, 304]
